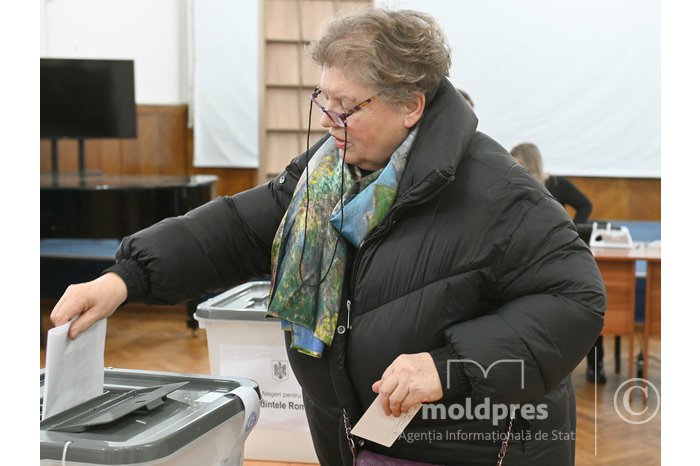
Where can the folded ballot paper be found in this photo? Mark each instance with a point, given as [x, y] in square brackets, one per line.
[74, 370]
[376, 426]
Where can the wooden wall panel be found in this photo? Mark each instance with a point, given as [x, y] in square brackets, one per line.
[159, 149]
[622, 198]
[281, 20]
[287, 63]
[287, 109]
[289, 75]
[644, 199]
[103, 156]
[313, 16]
[282, 109]
[282, 62]
[171, 152]
[164, 146]
[138, 155]
[281, 148]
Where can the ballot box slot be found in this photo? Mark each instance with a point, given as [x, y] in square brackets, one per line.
[107, 409]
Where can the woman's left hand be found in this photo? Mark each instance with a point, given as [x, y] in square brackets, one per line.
[409, 380]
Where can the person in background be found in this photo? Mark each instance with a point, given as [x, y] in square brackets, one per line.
[408, 253]
[528, 155]
[466, 97]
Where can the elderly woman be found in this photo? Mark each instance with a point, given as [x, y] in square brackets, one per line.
[446, 276]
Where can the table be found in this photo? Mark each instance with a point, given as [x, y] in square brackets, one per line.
[617, 267]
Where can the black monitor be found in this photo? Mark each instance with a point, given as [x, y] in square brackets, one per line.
[87, 99]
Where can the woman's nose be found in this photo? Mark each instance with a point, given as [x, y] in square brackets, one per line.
[327, 121]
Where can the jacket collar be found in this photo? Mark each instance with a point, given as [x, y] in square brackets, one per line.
[446, 130]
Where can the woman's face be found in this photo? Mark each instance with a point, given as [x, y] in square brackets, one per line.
[374, 131]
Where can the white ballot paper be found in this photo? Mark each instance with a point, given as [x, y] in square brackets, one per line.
[376, 426]
[74, 370]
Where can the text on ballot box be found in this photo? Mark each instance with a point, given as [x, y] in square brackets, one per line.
[242, 340]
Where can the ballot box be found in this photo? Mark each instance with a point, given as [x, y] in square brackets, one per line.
[242, 340]
[154, 418]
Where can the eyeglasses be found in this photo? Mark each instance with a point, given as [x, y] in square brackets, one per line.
[338, 118]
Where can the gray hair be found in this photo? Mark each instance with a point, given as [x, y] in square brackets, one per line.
[397, 53]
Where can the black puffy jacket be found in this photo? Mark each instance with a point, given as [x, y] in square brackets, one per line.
[475, 263]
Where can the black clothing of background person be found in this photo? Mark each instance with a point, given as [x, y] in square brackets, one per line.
[566, 193]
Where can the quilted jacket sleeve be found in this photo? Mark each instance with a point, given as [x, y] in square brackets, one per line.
[552, 304]
[213, 247]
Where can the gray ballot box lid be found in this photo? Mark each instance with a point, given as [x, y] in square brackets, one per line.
[174, 421]
[244, 302]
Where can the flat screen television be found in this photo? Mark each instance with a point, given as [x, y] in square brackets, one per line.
[87, 99]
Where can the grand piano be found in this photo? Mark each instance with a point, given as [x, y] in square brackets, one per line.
[96, 206]
[84, 217]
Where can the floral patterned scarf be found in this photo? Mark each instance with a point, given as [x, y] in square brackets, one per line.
[307, 308]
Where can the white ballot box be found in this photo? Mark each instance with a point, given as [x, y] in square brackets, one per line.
[243, 341]
[154, 418]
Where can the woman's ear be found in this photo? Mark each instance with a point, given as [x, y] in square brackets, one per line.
[414, 110]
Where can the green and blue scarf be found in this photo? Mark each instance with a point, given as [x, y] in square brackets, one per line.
[310, 313]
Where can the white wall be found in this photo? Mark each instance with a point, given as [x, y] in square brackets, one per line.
[581, 79]
[154, 33]
[226, 85]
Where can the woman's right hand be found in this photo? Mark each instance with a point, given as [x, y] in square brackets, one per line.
[90, 302]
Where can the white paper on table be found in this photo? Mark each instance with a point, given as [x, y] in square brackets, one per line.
[376, 426]
[74, 370]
